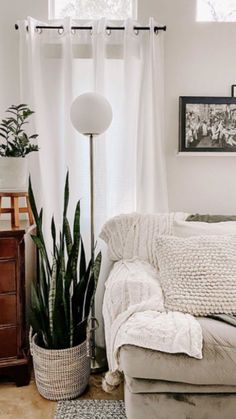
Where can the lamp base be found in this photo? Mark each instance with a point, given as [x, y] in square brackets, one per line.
[99, 362]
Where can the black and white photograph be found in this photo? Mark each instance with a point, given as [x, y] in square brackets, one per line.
[207, 124]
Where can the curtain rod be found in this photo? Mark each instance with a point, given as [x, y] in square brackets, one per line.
[109, 28]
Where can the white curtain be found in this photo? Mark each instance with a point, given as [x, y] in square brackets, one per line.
[125, 66]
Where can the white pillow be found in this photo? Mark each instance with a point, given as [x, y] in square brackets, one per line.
[196, 228]
[198, 274]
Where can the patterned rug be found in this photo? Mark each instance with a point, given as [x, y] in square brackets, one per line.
[90, 409]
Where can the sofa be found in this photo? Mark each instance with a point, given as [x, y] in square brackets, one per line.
[167, 386]
[159, 385]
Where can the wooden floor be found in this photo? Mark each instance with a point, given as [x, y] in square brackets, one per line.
[26, 403]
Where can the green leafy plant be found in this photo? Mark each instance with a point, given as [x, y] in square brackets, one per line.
[61, 297]
[14, 140]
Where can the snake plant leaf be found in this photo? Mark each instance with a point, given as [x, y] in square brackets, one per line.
[69, 268]
[44, 283]
[76, 228]
[43, 313]
[97, 267]
[71, 271]
[60, 331]
[90, 291]
[38, 221]
[32, 202]
[35, 304]
[52, 297]
[68, 236]
[59, 302]
[37, 240]
[41, 217]
[80, 331]
[38, 318]
[76, 237]
[53, 232]
[95, 273]
[87, 278]
[78, 299]
[71, 325]
[60, 323]
[66, 195]
[92, 284]
[82, 264]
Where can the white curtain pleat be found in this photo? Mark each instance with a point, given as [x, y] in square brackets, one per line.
[129, 159]
[151, 173]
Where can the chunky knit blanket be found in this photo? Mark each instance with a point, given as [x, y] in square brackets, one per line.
[133, 307]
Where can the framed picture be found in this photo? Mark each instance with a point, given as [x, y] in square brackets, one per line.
[207, 124]
[233, 90]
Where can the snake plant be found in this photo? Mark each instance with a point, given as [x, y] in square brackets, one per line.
[62, 295]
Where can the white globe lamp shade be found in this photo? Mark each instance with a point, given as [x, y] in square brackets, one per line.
[91, 113]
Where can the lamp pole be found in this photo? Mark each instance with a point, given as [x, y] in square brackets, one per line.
[93, 319]
[85, 105]
[98, 354]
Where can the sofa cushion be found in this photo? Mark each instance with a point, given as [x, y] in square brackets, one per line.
[144, 385]
[218, 366]
[184, 228]
[198, 274]
[210, 218]
[179, 406]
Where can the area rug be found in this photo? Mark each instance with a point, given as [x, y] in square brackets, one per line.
[90, 409]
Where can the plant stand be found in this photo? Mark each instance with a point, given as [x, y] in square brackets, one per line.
[15, 210]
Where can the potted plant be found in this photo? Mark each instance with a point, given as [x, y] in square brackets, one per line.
[15, 145]
[60, 306]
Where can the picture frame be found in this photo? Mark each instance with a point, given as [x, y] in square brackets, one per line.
[233, 90]
[207, 124]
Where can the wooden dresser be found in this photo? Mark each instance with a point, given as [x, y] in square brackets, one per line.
[14, 353]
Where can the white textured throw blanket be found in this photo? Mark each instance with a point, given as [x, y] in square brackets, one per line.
[133, 307]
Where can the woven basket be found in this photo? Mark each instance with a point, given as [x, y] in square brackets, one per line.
[61, 374]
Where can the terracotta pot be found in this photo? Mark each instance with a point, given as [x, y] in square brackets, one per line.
[13, 174]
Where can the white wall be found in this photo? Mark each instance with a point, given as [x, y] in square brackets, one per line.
[200, 60]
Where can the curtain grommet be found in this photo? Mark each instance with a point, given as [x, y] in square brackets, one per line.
[60, 30]
[108, 31]
[38, 30]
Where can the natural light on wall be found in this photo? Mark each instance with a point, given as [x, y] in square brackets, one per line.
[93, 9]
[216, 10]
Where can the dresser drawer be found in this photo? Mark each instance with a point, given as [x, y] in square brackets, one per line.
[7, 276]
[8, 342]
[7, 309]
[8, 248]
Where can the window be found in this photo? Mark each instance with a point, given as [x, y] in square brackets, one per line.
[216, 10]
[93, 9]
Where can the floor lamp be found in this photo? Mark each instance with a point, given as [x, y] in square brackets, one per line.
[91, 115]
